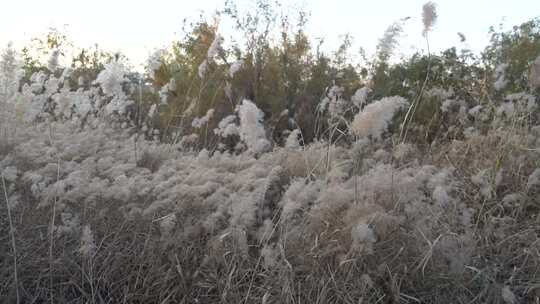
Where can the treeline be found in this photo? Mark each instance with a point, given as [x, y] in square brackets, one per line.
[292, 80]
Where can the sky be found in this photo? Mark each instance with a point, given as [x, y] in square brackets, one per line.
[138, 27]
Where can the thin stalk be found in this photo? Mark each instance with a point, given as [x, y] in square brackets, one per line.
[138, 119]
[51, 240]
[409, 116]
[13, 246]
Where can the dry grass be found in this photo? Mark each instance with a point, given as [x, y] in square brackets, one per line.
[135, 262]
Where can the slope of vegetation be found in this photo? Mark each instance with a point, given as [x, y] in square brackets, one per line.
[268, 171]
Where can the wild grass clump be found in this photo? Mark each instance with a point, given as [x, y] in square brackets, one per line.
[192, 184]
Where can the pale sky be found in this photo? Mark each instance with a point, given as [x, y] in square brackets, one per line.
[137, 27]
